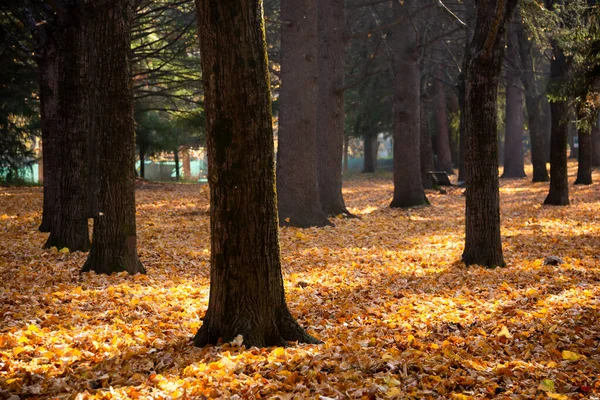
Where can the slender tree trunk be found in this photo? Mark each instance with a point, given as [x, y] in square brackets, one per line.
[297, 179]
[426, 147]
[142, 162]
[584, 168]
[48, 82]
[69, 224]
[408, 187]
[370, 146]
[330, 108]
[114, 242]
[187, 167]
[176, 157]
[346, 144]
[442, 139]
[596, 143]
[514, 166]
[559, 183]
[572, 134]
[533, 100]
[470, 19]
[483, 244]
[246, 293]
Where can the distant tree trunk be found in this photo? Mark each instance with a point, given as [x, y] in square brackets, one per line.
[346, 144]
[143, 162]
[246, 287]
[408, 187]
[330, 108]
[470, 19]
[483, 244]
[69, 224]
[547, 124]
[114, 242]
[513, 137]
[297, 181]
[48, 82]
[596, 143]
[584, 168]
[176, 157]
[426, 148]
[572, 134]
[533, 100]
[559, 183]
[187, 167]
[442, 139]
[370, 146]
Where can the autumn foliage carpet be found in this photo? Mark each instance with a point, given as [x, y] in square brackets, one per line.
[400, 316]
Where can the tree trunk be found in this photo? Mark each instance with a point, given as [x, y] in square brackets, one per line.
[187, 167]
[69, 224]
[246, 287]
[514, 166]
[176, 157]
[559, 184]
[346, 144]
[370, 146]
[142, 162]
[408, 186]
[48, 82]
[426, 147]
[584, 167]
[442, 139]
[330, 109]
[572, 134]
[114, 242]
[596, 143]
[483, 245]
[297, 181]
[533, 101]
[470, 20]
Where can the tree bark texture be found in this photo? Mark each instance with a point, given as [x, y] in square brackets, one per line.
[584, 167]
[514, 166]
[596, 143]
[408, 187]
[483, 245]
[370, 148]
[442, 138]
[297, 179]
[533, 102]
[559, 109]
[114, 242]
[48, 83]
[69, 222]
[246, 292]
[330, 105]
[426, 147]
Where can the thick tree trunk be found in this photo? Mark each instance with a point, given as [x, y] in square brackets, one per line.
[370, 147]
[442, 139]
[176, 157]
[408, 186]
[514, 166]
[426, 147]
[297, 180]
[533, 100]
[483, 245]
[330, 108]
[48, 82]
[69, 223]
[596, 143]
[584, 167]
[114, 242]
[246, 292]
[559, 183]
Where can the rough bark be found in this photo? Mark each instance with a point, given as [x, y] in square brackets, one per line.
[408, 186]
[297, 179]
[114, 242]
[559, 184]
[48, 82]
[370, 146]
[514, 166]
[246, 293]
[426, 147]
[596, 143]
[442, 138]
[533, 101]
[330, 109]
[69, 218]
[483, 245]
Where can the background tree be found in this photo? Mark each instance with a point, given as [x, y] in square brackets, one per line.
[247, 296]
[483, 244]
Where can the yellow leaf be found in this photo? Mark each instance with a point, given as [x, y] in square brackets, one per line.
[504, 332]
[301, 235]
[394, 392]
[547, 385]
[552, 364]
[279, 352]
[17, 350]
[33, 328]
[557, 396]
[391, 381]
[64, 250]
[571, 356]
[287, 220]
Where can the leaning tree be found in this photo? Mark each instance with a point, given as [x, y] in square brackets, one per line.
[246, 286]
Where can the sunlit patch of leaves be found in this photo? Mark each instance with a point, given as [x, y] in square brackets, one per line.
[399, 314]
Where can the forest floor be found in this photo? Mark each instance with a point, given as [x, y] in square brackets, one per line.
[399, 314]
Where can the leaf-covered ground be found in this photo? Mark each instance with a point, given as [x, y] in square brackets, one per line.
[399, 314]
